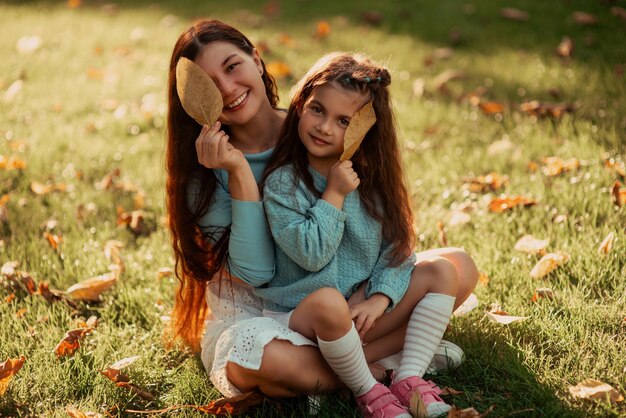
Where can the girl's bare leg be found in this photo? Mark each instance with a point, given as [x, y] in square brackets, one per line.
[443, 270]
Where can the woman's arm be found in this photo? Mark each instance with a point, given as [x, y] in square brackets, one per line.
[250, 247]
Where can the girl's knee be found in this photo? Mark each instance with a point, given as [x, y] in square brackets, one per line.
[328, 308]
[441, 274]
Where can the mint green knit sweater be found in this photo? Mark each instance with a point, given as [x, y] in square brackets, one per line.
[319, 246]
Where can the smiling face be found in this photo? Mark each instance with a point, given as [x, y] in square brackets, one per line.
[324, 118]
[238, 77]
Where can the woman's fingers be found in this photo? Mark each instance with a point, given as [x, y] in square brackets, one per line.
[203, 144]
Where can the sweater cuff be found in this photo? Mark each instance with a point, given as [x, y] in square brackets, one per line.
[390, 291]
[330, 211]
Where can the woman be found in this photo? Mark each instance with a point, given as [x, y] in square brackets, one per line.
[219, 233]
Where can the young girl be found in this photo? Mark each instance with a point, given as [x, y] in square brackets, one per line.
[332, 237]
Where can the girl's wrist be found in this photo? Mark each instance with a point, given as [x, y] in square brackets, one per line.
[334, 198]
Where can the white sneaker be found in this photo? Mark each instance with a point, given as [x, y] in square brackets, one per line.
[447, 356]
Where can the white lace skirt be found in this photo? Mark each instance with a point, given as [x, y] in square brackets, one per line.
[241, 343]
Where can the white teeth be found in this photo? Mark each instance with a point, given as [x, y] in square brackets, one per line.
[238, 101]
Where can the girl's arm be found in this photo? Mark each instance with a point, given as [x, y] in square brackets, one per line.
[392, 282]
[309, 234]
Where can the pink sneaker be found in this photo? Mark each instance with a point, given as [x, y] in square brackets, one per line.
[379, 402]
[420, 396]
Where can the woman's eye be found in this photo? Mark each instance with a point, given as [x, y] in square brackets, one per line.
[316, 109]
[344, 122]
[231, 67]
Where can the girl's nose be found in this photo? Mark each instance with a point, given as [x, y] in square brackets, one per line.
[324, 127]
[224, 85]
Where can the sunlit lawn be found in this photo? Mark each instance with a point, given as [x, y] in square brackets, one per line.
[90, 99]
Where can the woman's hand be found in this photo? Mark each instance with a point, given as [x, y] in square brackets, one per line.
[214, 150]
[364, 314]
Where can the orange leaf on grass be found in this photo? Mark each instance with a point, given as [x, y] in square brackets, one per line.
[548, 263]
[607, 244]
[565, 48]
[618, 11]
[11, 163]
[322, 29]
[71, 342]
[485, 183]
[74, 412]
[8, 369]
[91, 289]
[467, 306]
[496, 314]
[73, 4]
[279, 69]
[165, 272]
[43, 189]
[554, 166]
[491, 107]
[286, 39]
[467, 413]
[595, 389]
[501, 204]
[235, 405]
[531, 245]
[616, 165]
[53, 239]
[542, 292]
[584, 19]
[514, 14]
[539, 109]
[619, 195]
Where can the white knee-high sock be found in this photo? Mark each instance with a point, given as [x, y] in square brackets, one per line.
[427, 324]
[345, 356]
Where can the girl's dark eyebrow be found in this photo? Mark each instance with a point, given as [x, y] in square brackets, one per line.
[228, 58]
[317, 103]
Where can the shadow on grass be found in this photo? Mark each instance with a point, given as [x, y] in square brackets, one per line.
[494, 375]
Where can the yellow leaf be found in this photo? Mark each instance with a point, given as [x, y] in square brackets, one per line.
[531, 245]
[119, 365]
[90, 289]
[607, 244]
[595, 389]
[279, 69]
[8, 369]
[468, 305]
[548, 263]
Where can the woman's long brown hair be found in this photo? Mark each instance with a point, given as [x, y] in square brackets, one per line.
[382, 189]
[197, 262]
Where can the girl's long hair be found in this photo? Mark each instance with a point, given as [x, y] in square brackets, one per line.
[197, 262]
[382, 189]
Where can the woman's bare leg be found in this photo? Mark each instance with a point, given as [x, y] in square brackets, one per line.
[286, 370]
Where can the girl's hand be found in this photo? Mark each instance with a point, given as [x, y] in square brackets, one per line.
[367, 312]
[214, 150]
[358, 296]
[342, 178]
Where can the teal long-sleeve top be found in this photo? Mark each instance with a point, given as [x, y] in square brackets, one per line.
[318, 245]
[250, 248]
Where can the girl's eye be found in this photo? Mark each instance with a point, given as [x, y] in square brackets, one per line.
[316, 109]
[231, 67]
[344, 122]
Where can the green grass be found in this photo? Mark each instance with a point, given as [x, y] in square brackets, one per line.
[79, 116]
